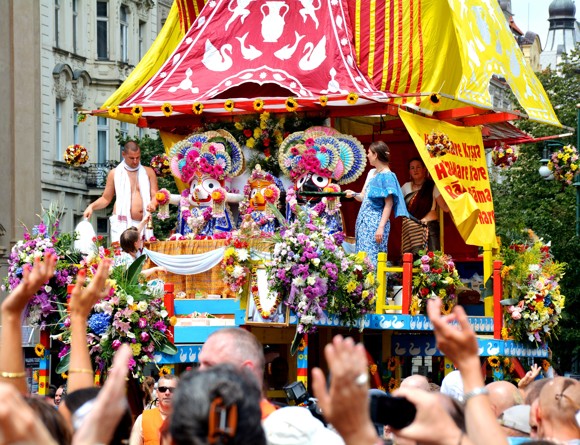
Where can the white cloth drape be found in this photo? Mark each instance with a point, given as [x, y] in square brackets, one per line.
[187, 264]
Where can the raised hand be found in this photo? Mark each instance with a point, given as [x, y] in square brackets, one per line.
[530, 376]
[33, 278]
[83, 299]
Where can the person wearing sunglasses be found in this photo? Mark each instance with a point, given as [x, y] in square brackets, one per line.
[146, 430]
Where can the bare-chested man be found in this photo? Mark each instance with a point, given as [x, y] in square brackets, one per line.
[134, 187]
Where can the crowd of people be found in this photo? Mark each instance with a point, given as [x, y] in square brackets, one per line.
[222, 402]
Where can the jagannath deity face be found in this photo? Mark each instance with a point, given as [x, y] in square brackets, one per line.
[258, 191]
[201, 188]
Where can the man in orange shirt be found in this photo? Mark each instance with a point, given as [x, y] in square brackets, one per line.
[146, 430]
[240, 348]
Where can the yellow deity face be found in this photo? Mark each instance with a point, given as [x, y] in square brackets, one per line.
[257, 189]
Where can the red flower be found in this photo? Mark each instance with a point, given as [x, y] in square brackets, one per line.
[266, 142]
[100, 237]
[267, 152]
[430, 254]
[248, 133]
[424, 291]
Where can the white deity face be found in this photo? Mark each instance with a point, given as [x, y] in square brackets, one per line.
[201, 189]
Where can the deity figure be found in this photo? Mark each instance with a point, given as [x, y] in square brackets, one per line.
[204, 161]
[319, 160]
[261, 189]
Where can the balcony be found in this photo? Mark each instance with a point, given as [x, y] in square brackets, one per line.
[97, 174]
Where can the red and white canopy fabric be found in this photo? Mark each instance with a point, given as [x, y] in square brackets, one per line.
[241, 48]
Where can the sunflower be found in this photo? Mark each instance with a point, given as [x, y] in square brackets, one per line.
[137, 111]
[167, 109]
[291, 104]
[113, 111]
[493, 361]
[35, 376]
[392, 384]
[545, 365]
[258, 105]
[447, 307]
[173, 320]
[229, 105]
[197, 108]
[352, 98]
[39, 349]
[323, 100]
[504, 333]
[164, 370]
[414, 309]
[392, 363]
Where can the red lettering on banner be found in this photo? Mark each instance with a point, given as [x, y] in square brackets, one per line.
[486, 217]
[471, 151]
[440, 170]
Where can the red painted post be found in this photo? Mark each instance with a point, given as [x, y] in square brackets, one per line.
[169, 300]
[69, 289]
[407, 282]
[497, 297]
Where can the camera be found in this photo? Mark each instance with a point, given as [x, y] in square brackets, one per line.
[297, 394]
[396, 412]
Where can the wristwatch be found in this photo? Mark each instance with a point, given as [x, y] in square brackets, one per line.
[481, 391]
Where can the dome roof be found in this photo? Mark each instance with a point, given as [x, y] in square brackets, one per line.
[562, 9]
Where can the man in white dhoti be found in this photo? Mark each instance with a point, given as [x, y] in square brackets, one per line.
[134, 187]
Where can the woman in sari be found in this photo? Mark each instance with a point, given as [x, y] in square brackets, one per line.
[423, 201]
[381, 194]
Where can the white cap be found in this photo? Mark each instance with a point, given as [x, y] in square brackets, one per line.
[295, 425]
[452, 385]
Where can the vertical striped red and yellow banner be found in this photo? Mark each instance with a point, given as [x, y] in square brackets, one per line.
[188, 12]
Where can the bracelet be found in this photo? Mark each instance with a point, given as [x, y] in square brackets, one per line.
[80, 371]
[481, 391]
[12, 375]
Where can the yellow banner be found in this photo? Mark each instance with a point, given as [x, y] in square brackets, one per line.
[460, 175]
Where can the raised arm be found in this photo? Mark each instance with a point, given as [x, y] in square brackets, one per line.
[459, 344]
[105, 199]
[81, 302]
[154, 188]
[11, 358]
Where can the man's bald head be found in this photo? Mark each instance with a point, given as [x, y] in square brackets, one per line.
[503, 395]
[416, 381]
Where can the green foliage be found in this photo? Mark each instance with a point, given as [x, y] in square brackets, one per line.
[524, 200]
[149, 148]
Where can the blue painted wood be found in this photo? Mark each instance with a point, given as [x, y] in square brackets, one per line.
[185, 354]
[424, 345]
[222, 306]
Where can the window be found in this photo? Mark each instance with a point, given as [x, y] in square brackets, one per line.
[102, 31]
[102, 139]
[124, 27]
[58, 129]
[75, 127]
[142, 32]
[124, 130]
[75, 21]
[56, 22]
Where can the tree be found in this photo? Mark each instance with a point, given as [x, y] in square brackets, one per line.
[524, 200]
[149, 148]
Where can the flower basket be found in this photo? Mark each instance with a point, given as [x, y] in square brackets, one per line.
[564, 164]
[160, 165]
[76, 155]
[503, 156]
[438, 144]
[531, 283]
[437, 278]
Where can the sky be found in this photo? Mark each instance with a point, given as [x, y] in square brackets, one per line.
[532, 15]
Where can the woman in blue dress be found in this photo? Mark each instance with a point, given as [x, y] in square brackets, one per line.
[380, 195]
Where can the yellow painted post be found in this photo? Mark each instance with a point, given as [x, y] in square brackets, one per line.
[382, 280]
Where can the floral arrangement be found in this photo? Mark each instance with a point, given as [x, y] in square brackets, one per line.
[236, 265]
[503, 156]
[76, 155]
[134, 314]
[564, 163]
[502, 368]
[311, 271]
[43, 309]
[163, 196]
[437, 278]
[264, 133]
[438, 144]
[160, 165]
[531, 283]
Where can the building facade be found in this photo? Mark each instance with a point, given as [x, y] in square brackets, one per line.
[60, 56]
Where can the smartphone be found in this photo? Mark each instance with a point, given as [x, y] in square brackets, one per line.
[396, 412]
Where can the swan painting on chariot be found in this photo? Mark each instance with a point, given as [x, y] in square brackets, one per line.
[262, 189]
[319, 160]
[204, 161]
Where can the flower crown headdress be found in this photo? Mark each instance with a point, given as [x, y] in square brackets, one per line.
[324, 151]
[213, 153]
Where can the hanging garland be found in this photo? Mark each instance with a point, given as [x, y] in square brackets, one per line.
[266, 315]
